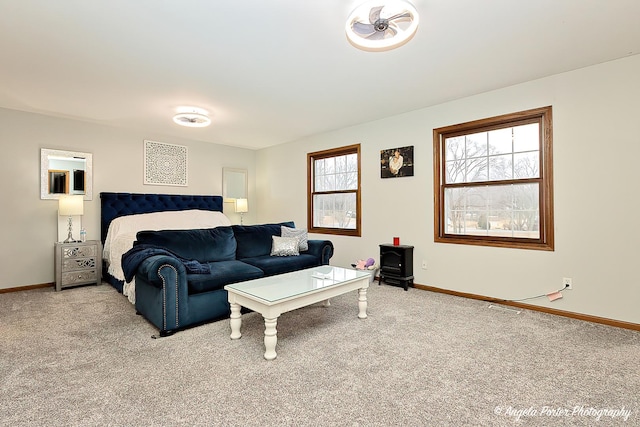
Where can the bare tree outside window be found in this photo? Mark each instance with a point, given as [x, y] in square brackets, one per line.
[334, 191]
[493, 181]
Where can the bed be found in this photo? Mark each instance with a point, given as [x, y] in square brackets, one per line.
[124, 214]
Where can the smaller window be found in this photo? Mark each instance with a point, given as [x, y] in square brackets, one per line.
[333, 191]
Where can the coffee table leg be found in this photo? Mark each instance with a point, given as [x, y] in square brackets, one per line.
[270, 338]
[362, 303]
[235, 321]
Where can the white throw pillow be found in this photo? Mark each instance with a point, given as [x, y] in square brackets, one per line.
[300, 233]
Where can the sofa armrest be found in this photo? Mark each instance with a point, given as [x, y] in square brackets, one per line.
[321, 249]
[150, 270]
[162, 293]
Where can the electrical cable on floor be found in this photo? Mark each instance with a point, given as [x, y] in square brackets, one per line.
[498, 301]
[537, 296]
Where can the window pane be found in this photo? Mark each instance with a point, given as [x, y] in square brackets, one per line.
[329, 182]
[352, 181]
[526, 138]
[501, 211]
[500, 167]
[476, 170]
[454, 211]
[319, 168]
[352, 163]
[319, 181]
[334, 210]
[341, 164]
[500, 141]
[527, 165]
[455, 171]
[330, 165]
[476, 145]
[454, 148]
[343, 181]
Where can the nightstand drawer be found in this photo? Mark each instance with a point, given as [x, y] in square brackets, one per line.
[77, 251]
[79, 277]
[78, 264]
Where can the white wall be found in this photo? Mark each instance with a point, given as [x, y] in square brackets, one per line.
[29, 225]
[596, 116]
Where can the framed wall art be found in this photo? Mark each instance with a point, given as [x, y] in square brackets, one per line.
[396, 162]
[165, 164]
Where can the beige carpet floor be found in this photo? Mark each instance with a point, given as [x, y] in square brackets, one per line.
[82, 357]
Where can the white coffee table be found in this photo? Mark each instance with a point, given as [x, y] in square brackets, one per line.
[274, 295]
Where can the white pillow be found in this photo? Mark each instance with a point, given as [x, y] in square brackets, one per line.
[300, 233]
[284, 246]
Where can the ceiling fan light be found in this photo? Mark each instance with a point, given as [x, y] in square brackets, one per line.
[375, 27]
[193, 117]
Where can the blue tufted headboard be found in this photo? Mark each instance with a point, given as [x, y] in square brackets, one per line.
[114, 205]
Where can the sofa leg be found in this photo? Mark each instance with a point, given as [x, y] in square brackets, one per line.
[163, 334]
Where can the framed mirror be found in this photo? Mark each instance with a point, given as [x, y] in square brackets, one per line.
[65, 172]
[234, 183]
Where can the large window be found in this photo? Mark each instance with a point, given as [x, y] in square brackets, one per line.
[494, 181]
[333, 182]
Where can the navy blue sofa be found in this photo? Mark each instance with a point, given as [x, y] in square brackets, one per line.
[173, 299]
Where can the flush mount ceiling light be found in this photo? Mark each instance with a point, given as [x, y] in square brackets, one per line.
[192, 117]
[382, 24]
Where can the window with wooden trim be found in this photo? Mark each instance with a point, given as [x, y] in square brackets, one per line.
[493, 181]
[333, 191]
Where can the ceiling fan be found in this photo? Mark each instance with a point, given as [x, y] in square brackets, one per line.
[377, 27]
[192, 117]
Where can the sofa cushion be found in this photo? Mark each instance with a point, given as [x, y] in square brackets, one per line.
[222, 273]
[255, 240]
[285, 246]
[277, 265]
[203, 245]
[300, 233]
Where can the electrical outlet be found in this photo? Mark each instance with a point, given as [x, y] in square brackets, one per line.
[424, 264]
[567, 283]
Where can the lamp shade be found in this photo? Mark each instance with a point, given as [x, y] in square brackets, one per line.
[242, 205]
[71, 205]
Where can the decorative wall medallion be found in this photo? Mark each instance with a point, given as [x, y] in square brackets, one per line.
[165, 164]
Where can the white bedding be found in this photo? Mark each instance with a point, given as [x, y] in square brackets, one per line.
[122, 233]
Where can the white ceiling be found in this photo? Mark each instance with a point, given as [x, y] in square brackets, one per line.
[273, 71]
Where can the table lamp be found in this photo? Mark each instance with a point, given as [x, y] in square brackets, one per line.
[69, 206]
[242, 207]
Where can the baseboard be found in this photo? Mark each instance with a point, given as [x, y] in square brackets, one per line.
[579, 316]
[26, 288]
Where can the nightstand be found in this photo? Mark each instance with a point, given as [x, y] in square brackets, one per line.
[396, 265]
[78, 263]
